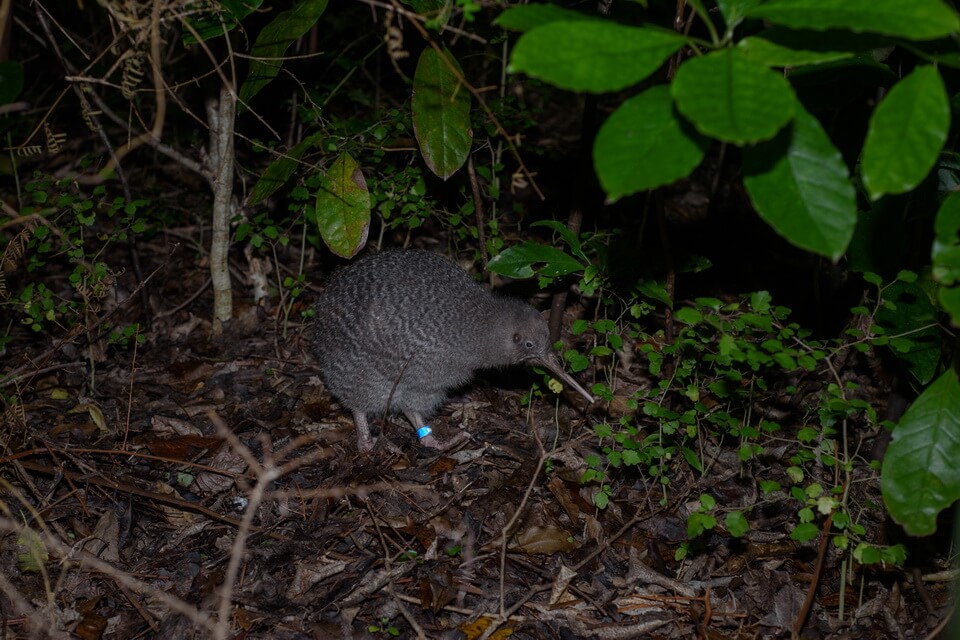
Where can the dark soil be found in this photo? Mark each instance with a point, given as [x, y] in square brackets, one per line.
[154, 476]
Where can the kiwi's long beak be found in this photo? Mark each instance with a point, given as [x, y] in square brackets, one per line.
[551, 363]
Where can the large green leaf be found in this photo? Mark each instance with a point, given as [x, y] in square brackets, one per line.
[273, 42]
[519, 261]
[946, 255]
[800, 186]
[524, 17]
[920, 475]
[911, 19]
[223, 16]
[441, 112]
[343, 207]
[280, 170]
[780, 47]
[907, 131]
[593, 56]
[645, 144]
[730, 97]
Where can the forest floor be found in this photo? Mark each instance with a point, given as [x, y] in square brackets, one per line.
[142, 484]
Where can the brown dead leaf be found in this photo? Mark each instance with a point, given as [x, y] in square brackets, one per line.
[475, 629]
[185, 447]
[104, 541]
[168, 424]
[90, 627]
[310, 572]
[78, 432]
[437, 591]
[442, 465]
[226, 459]
[94, 412]
[174, 515]
[547, 540]
[559, 490]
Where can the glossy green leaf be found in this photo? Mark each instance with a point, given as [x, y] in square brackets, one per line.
[522, 260]
[800, 186]
[441, 112]
[645, 144]
[734, 11]
[524, 17]
[779, 47]
[221, 17]
[906, 132]
[593, 56]
[272, 43]
[11, 81]
[732, 98]
[912, 19]
[920, 476]
[280, 170]
[343, 207]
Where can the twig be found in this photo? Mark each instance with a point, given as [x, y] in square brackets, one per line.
[266, 474]
[814, 579]
[478, 212]
[132, 489]
[412, 15]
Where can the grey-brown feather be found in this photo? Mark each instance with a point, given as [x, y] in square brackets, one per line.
[406, 327]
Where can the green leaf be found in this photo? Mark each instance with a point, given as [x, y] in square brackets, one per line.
[343, 207]
[804, 532]
[441, 112]
[913, 19]
[779, 47]
[266, 57]
[644, 144]
[692, 459]
[730, 97]
[280, 170]
[950, 300]
[947, 224]
[32, 554]
[519, 261]
[562, 230]
[907, 131]
[223, 16]
[527, 16]
[593, 56]
[865, 553]
[946, 255]
[736, 524]
[734, 11]
[11, 81]
[920, 476]
[800, 186]
[911, 312]
[688, 315]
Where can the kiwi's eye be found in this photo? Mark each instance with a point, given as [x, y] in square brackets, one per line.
[516, 337]
[528, 344]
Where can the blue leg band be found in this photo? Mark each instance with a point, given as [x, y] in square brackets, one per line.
[424, 431]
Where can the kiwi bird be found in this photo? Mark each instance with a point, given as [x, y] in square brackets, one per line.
[397, 330]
